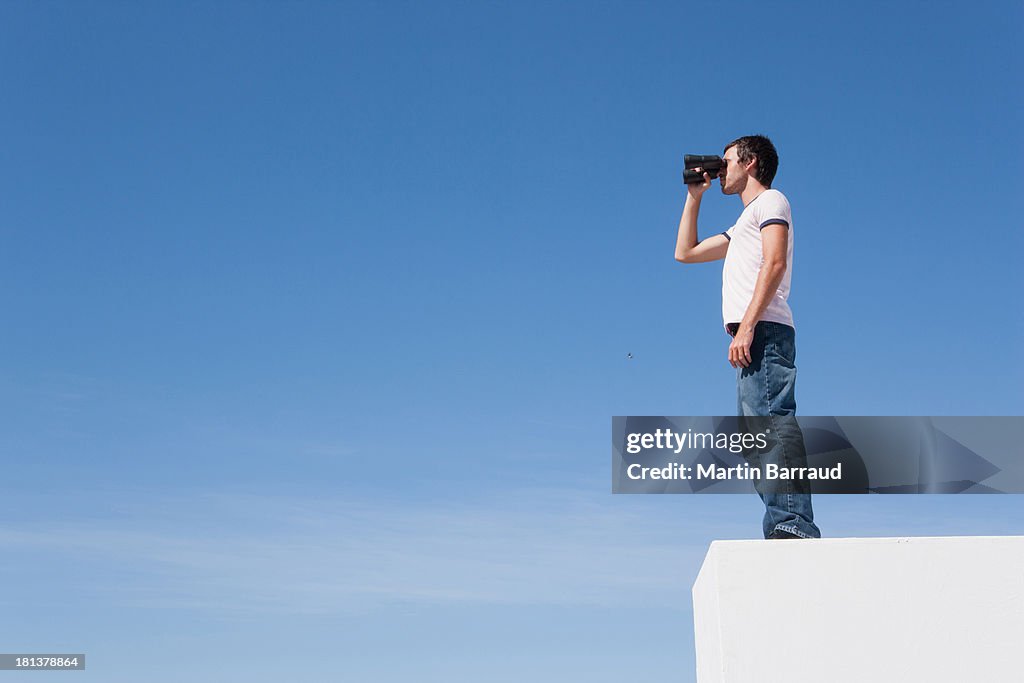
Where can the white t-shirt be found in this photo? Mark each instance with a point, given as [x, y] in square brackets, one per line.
[744, 258]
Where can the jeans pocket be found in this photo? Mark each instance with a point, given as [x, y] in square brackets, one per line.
[784, 355]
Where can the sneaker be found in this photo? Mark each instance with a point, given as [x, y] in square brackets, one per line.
[779, 533]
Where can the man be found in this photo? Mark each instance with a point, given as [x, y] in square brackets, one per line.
[758, 253]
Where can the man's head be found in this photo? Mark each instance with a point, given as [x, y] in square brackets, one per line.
[751, 156]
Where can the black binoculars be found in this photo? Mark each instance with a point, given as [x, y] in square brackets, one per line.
[712, 164]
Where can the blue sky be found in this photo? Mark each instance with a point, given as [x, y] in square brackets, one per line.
[317, 314]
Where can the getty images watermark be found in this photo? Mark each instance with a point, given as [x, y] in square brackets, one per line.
[734, 442]
[837, 454]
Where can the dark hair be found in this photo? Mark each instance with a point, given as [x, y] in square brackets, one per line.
[750, 146]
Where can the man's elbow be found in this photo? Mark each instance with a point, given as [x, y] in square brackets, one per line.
[774, 270]
[685, 257]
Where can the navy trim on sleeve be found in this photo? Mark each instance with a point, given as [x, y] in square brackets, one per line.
[727, 236]
[773, 221]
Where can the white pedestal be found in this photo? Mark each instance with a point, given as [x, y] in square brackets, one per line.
[861, 609]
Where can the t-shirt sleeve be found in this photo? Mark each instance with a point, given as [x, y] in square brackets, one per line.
[728, 233]
[774, 210]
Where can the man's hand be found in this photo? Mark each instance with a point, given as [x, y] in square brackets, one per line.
[697, 189]
[739, 349]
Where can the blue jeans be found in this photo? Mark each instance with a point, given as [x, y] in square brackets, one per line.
[767, 388]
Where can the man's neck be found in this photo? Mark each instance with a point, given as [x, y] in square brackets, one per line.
[751, 191]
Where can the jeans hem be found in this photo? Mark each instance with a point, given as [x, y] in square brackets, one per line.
[792, 530]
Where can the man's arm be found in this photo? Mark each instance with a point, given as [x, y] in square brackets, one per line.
[688, 249]
[774, 244]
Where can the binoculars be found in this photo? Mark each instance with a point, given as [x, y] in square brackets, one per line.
[711, 163]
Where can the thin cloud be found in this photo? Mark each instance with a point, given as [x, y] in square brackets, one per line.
[244, 553]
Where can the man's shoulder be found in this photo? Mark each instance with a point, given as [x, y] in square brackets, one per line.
[772, 202]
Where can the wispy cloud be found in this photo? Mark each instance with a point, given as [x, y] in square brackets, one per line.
[243, 553]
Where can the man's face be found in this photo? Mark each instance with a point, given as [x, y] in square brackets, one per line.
[734, 176]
